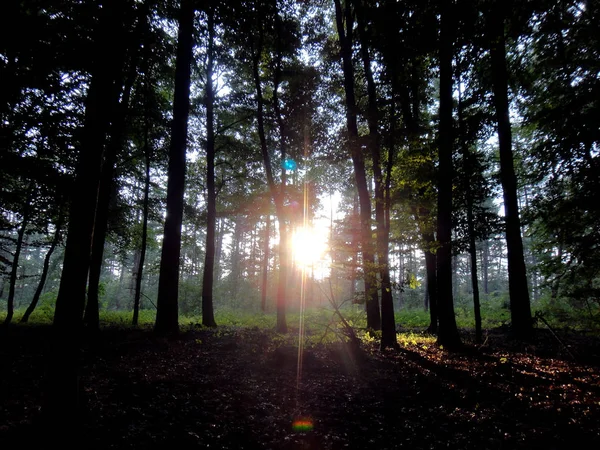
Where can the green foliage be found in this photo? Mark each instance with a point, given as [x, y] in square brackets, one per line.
[562, 314]
[45, 309]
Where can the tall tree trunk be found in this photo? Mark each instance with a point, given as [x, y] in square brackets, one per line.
[276, 194]
[147, 159]
[45, 269]
[91, 317]
[219, 248]
[466, 154]
[167, 314]
[344, 21]
[61, 402]
[431, 269]
[448, 332]
[388, 322]
[265, 270]
[520, 309]
[235, 257]
[485, 265]
[144, 243]
[15, 263]
[208, 317]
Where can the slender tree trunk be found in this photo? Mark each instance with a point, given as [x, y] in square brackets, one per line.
[466, 154]
[147, 159]
[208, 317]
[520, 308]
[265, 271]
[235, 257]
[45, 269]
[145, 206]
[15, 263]
[344, 21]
[142, 259]
[276, 194]
[448, 332]
[388, 322]
[91, 317]
[219, 248]
[355, 245]
[431, 269]
[167, 314]
[485, 264]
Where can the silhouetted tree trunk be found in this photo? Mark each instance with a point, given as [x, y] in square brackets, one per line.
[485, 261]
[466, 154]
[107, 185]
[520, 308]
[235, 256]
[208, 317]
[219, 248]
[45, 269]
[277, 194]
[167, 314]
[345, 25]
[388, 321]
[447, 332]
[15, 263]
[61, 403]
[431, 271]
[91, 317]
[144, 243]
[265, 271]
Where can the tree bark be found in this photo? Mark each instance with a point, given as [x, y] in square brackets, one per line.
[208, 317]
[448, 332]
[520, 308]
[344, 21]
[167, 314]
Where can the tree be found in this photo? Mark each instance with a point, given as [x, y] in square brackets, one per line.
[62, 396]
[520, 307]
[448, 332]
[345, 28]
[167, 315]
[381, 188]
[208, 318]
[38, 292]
[15, 262]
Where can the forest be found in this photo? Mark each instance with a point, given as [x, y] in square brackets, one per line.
[300, 223]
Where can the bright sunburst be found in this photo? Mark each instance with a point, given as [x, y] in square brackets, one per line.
[308, 245]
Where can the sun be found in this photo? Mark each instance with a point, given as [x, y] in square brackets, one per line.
[308, 245]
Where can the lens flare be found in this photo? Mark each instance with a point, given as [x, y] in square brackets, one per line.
[289, 164]
[302, 425]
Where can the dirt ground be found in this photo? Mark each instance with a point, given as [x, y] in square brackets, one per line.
[240, 388]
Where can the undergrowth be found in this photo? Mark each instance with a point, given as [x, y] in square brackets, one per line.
[322, 325]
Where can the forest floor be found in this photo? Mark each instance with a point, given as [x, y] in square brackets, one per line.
[240, 388]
